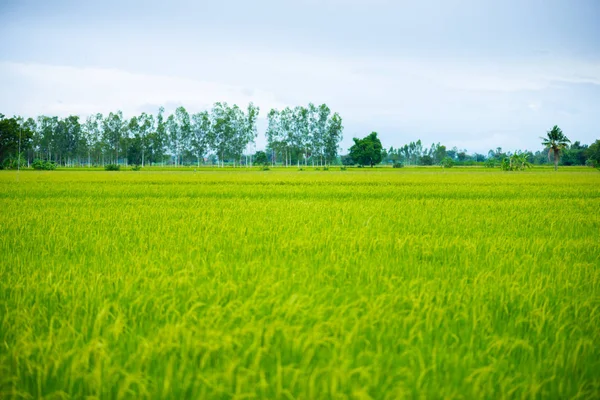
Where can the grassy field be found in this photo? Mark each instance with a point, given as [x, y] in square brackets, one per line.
[294, 284]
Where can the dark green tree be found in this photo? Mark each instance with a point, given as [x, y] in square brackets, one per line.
[367, 151]
[260, 158]
[593, 153]
[426, 160]
[12, 136]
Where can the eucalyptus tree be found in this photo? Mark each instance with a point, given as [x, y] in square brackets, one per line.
[237, 142]
[171, 130]
[333, 137]
[250, 131]
[146, 126]
[47, 126]
[158, 138]
[286, 118]
[133, 144]
[222, 130]
[67, 137]
[555, 141]
[200, 134]
[91, 134]
[312, 130]
[274, 134]
[300, 132]
[113, 127]
[183, 132]
[319, 138]
[30, 125]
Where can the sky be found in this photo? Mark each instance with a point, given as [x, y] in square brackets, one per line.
[467, 73]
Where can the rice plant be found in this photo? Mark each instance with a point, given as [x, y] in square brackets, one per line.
[385, 284]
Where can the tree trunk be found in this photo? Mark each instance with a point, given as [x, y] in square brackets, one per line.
[556, 155]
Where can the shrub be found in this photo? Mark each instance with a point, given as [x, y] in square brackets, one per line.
[447, 163]
[112, 167]
[300, 169]
[325, 168]
[43, 165]
[13, 162]
[343, 168]
[490, 163]
[265, 168]
[137, 168]
[398, 165]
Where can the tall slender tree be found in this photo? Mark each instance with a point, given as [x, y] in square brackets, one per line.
[113, 127]
[555, 141]
[200, 134]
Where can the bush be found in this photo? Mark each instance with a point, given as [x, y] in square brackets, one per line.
[343, 168]
[137, 168]
[398, 165]
[265, 168]
[13, 163]
[300, 169]
[426, 160]
[447, 163]
[490, 163]
[325, 168]
[42, 165]
[112, 167]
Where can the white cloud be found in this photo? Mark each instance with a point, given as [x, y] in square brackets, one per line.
[64, 90]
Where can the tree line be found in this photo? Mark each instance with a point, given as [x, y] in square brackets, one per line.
[221, 135]
[557, 149]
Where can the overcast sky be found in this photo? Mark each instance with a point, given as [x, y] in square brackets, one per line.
[474, 74]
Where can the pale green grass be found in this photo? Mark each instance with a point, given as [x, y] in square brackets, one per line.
[300, 284]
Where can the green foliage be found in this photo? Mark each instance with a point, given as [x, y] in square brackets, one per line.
[367, 151]
[260, 158]
[13, 134]
[555, 141]
[112, 167]
[447, 162]
[398, 165]
[490, 163]
[43, 165]
[265, 168]
[366, 284]
[593, 154]
[136, 168]
[426, 160]
[302, 133]
[516, 162]
[575, 154]
[343, 168]
[14, 162]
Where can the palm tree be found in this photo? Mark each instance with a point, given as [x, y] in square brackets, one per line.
[555, 142]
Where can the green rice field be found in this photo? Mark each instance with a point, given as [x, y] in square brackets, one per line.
[287, 284]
